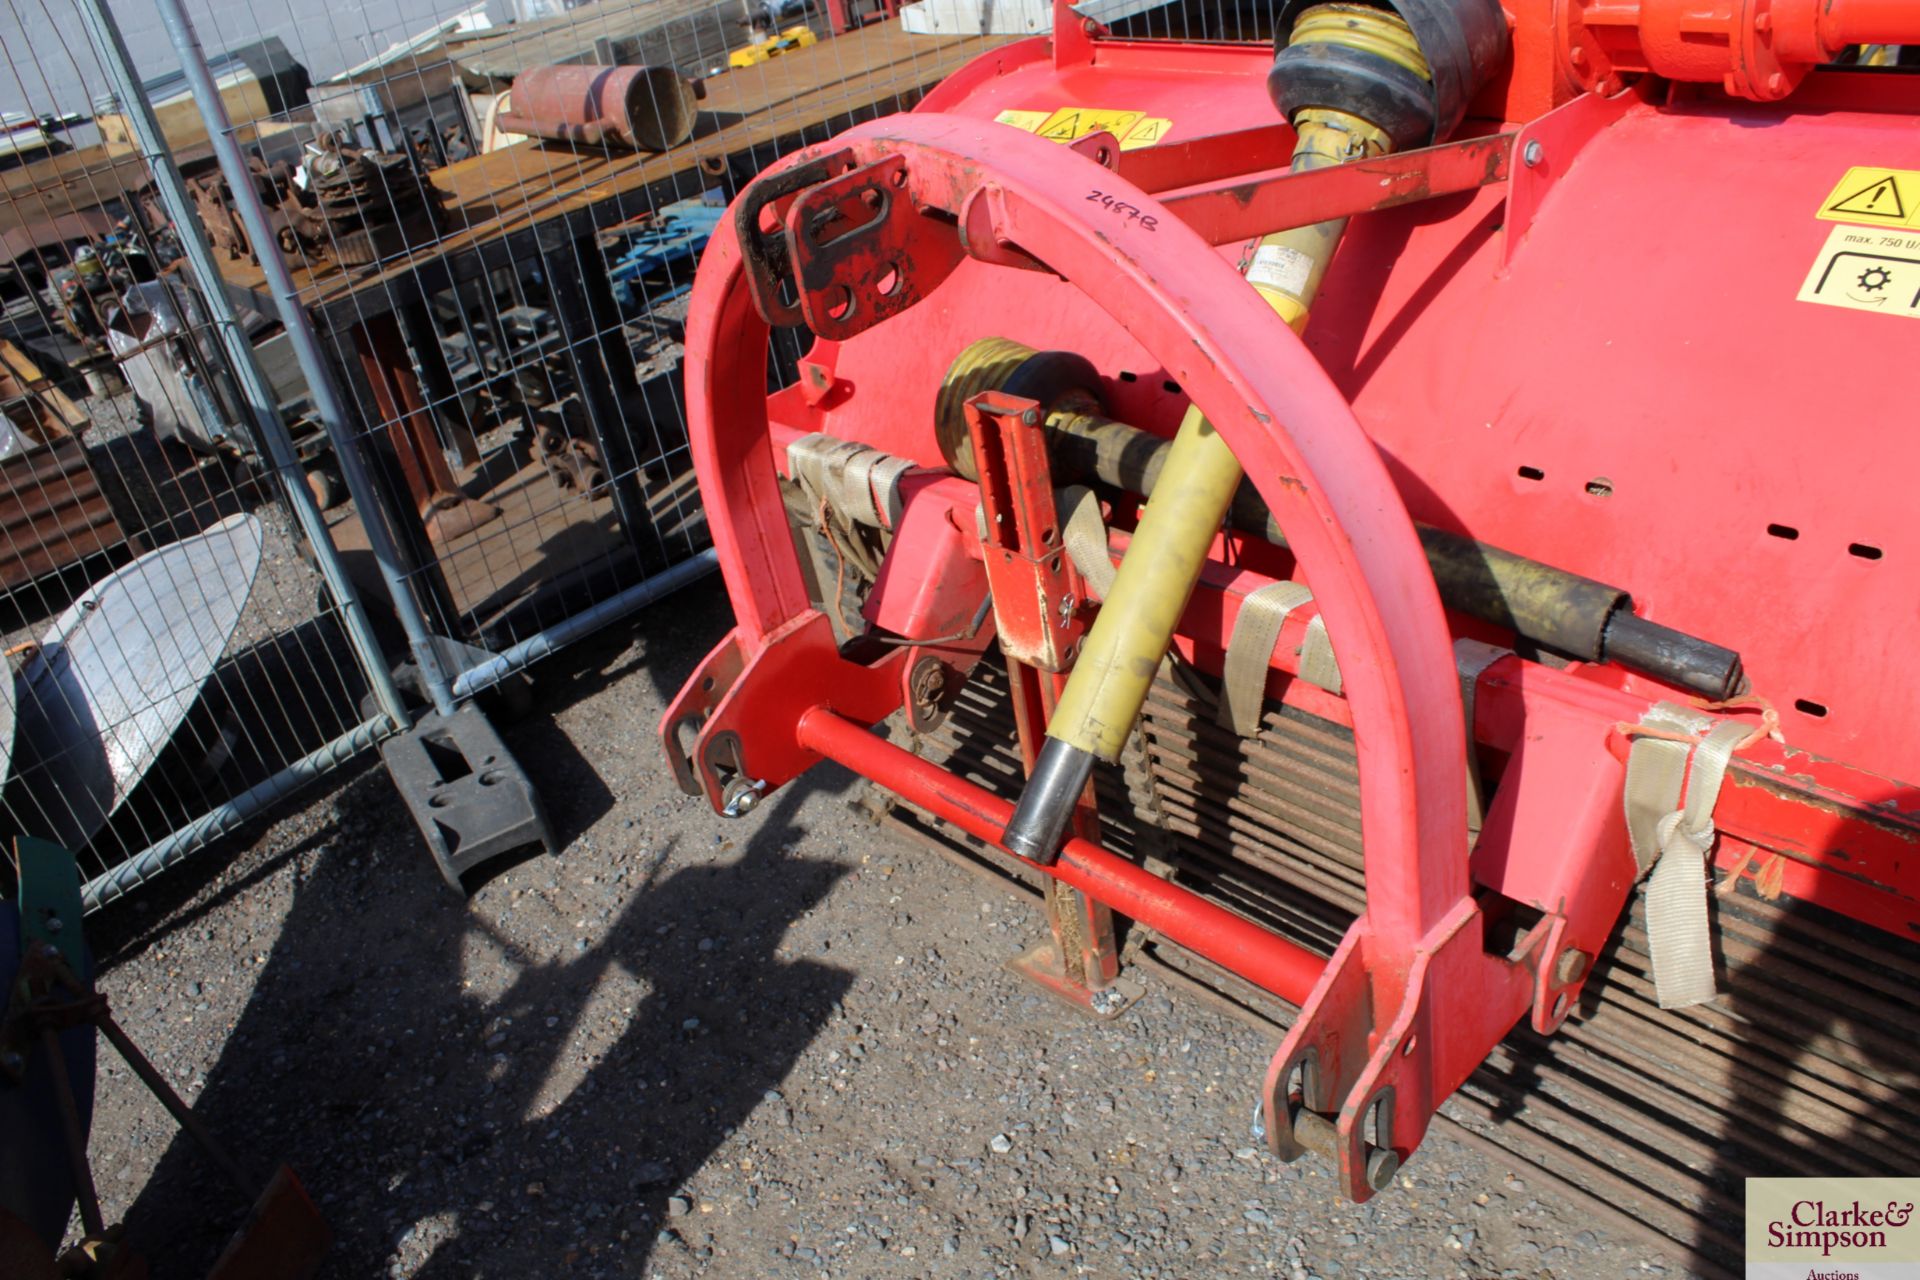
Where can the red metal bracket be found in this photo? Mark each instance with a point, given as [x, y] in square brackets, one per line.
[1037, 593]
[1248, 205]
[737, 702]
[1546, 148]
[862, 249]
[1037, 599]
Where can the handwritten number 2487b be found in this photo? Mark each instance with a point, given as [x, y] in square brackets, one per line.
[1120, 207]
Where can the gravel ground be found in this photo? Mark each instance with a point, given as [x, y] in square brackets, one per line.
[782, 1046]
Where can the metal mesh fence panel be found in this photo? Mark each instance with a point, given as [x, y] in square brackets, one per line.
[504, 309]
[499, 292]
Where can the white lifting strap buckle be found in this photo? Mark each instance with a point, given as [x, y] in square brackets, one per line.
[1669, 810]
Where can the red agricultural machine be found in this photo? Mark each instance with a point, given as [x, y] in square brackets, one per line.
[1417, 516]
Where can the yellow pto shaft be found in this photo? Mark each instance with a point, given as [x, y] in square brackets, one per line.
[1129, 638]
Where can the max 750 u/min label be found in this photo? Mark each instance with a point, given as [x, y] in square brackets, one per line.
[1866, 269]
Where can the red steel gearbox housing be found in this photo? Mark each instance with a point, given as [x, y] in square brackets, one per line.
[1644, 321]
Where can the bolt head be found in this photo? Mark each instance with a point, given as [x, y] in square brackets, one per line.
[1030, 417]
[1533, 153]
[740, 797]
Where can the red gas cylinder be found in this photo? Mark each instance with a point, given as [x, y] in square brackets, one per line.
[646, 108]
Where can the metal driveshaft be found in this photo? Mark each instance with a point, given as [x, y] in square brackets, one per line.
[1129, 638]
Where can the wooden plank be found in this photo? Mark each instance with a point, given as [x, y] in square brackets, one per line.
[49, 414]
[85, 178]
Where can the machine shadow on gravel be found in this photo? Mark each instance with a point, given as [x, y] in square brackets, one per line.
[479, 1084]
[402, 1098]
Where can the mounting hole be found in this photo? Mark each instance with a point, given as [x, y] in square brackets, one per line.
[1103, 155]
[1560, 1006]
[1171, 387]
[1786, 531]
[706, 685]
[438, 802]
[489, 777]
[1371, 1126]
[1532, 473]
[1407, 1045]
[1048, 535]
[899, 178]
[1128, 375]
[888, 283]
[1600, 487]
[1865, 550]
[842, 305]
[1808, 707]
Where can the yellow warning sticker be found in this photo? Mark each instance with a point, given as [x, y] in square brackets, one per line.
[1865, 269]
[1875, 198]
[1027, 120]
[1148, 131]
[1070, 124]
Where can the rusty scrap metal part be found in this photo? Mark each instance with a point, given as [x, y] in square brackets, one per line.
[573, 461]
[645, 108]
[366, 206]
[356, 207]
[1650, 1118]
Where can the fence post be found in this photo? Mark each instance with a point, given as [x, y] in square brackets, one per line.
[327, 401]
[268, 425]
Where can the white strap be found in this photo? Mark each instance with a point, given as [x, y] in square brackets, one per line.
[1085, 536]
[1669, 812]
[1243, 677]
[886, 476]
[1317, 665]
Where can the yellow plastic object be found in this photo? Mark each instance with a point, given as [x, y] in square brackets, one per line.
[760, 50]
[1129, 638]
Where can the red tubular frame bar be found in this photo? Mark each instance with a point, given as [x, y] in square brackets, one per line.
[1285, 968]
